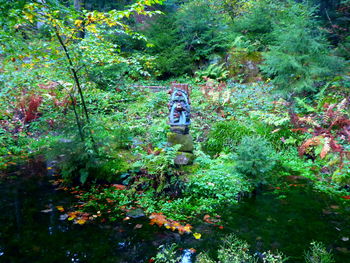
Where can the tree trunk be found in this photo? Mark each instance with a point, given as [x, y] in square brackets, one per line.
[79, 5]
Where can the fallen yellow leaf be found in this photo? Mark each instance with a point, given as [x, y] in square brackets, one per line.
[81, 221]
[60, 208]
[197, 235]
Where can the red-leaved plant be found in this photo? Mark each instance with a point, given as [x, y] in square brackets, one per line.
[29, 107]
[328, 129]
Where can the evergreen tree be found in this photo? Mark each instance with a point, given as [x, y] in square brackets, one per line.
[300, 55]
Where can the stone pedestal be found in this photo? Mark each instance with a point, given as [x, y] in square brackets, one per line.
[185, 154]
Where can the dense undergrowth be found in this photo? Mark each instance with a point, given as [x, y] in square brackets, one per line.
[270, 100]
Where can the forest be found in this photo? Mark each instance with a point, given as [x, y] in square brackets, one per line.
[175, 131]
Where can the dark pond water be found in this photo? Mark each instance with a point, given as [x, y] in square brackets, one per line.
[264, 221]
[290, 224]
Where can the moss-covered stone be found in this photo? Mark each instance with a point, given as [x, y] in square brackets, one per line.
[190, 169]
[185, 140]
[184, 158]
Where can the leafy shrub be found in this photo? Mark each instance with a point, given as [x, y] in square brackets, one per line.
[213, 71]
[318, 254]
[255, 158]
[101, 156]
[234, 250]
[159, 163]
[78, 163]
[290, 163]
[224, 136]
[217, 185]
[167, 254]
[108, 76]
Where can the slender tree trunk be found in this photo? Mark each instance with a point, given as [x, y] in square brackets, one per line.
[79, 5]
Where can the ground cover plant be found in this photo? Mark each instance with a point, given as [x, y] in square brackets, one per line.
[84, 85]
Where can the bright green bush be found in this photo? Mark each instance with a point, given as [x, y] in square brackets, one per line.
[167, 254]
[224, 136]
[213, 71]
[318, 254]
[235, 250]
[217, 185]
[255, 158]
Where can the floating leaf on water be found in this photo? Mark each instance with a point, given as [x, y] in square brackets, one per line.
[193, 250]
[81, 221]
[46, 210]
[197, 235]
[138, 226]
[60, 208]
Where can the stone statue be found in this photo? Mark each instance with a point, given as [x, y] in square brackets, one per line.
[180, 111]
[180, 120]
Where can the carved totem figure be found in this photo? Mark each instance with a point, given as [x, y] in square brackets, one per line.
[179, 107]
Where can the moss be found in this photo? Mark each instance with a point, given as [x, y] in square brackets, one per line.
[244, 64]
[185, 140]
[190, 169]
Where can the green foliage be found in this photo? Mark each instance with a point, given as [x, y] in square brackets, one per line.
[299, 56]
[213, 71]
[79, 161]
[257, 24]
[160, 164]
[203, 28]
[290, 163]
[185, 38]
[318, 254]
[172, 58]
[95, 200]
[167, 254]
[217, 185]
[224, 136]
[255, 158]
[234, 250]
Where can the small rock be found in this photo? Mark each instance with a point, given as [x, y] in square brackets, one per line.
[136, 213]
[184, 158]
[63, 217]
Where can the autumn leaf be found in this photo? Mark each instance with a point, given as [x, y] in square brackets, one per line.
[326, 148]
[46, 210]
[81, 221]
[197, 235]
[72, 215]
[119, 186]
[60, 208]
[78, 22]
